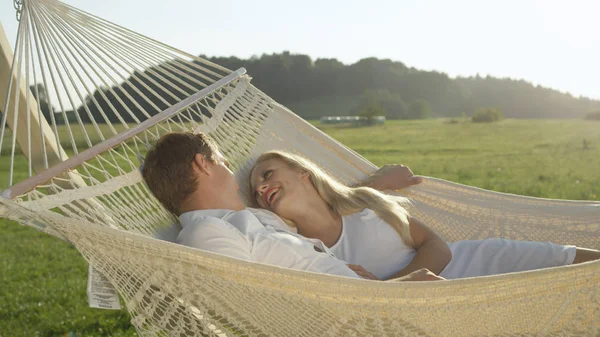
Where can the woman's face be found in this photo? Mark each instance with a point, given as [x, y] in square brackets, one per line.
[277, 187]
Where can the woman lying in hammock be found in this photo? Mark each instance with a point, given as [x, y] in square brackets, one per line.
[375, 234]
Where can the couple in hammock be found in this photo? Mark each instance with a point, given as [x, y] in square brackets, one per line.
[304, 219]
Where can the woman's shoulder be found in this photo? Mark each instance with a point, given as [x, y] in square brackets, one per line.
[366, 226]
[366, 214]
[269, 218]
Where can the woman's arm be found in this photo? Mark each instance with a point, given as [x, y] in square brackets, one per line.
[433, 252]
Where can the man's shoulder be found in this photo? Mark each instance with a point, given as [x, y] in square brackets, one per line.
[249, 222]
[205, 225]
[216, 235]
[211, 222]
[195, 215]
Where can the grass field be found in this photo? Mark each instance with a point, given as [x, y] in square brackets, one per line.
[541, 158]
[43, 279]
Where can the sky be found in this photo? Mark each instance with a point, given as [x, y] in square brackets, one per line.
[552, 43]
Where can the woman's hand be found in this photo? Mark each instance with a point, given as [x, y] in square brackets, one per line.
[423, 274]
[392, 177]
[362, 272]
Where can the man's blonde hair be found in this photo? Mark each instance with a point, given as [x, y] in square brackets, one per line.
[168, 168]
[344, 200]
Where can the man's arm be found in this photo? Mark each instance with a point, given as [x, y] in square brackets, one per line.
[391, 177]
[286, 250]
[279, 249]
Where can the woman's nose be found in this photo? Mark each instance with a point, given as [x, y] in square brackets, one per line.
[262, 188]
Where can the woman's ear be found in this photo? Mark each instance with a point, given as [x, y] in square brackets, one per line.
[305, 174]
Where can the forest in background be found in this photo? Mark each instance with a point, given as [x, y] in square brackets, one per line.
[321, 87]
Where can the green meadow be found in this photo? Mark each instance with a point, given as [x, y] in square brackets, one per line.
[44, 279]
[541, 158]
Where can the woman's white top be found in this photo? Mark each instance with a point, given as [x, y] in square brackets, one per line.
[369, 241]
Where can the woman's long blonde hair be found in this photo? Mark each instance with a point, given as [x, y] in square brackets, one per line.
[344, 200]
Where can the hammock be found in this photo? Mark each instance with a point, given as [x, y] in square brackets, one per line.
[117, 92]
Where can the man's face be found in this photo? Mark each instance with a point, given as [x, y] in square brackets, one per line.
[222, 175]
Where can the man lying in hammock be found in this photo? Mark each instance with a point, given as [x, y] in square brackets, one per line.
[192, 179]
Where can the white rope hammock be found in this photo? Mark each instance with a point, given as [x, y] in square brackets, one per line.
[117, 92]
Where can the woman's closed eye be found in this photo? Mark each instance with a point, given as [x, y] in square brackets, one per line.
[267, 174]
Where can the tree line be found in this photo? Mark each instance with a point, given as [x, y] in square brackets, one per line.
[400, 91]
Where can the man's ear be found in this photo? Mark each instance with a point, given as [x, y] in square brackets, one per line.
[201, 164]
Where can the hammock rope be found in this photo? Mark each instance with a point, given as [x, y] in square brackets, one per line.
[116, 92]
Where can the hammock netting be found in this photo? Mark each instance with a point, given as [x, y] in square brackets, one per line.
[116, 92]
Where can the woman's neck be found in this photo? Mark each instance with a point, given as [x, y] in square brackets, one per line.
[318, 221]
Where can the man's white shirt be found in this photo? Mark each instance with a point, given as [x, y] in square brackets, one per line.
[256, 235]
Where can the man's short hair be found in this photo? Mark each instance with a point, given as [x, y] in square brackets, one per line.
[168, 166]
